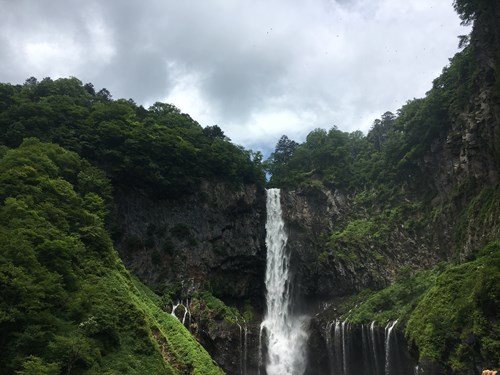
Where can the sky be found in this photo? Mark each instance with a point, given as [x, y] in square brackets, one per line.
[257, 68]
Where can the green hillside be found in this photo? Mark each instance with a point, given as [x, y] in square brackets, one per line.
[67, 304]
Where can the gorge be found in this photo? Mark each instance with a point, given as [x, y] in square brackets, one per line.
[135, 241]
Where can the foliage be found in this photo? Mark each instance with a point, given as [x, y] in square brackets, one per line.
[326, 156]
[159, 150]
[468, 10]
[66, 302]
[481, 217]
[450, 312]
[221, 309]
[394, 302]
[456, 322]
[392, 152]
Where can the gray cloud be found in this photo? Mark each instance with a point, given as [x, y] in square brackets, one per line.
[258, 69]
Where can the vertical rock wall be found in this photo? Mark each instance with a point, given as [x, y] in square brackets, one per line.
[212, 239]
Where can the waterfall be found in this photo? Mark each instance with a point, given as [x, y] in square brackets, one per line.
[174, 307]
[367, 349]
[374, 348]
[261, 361]
[187, 313]
[245, 349]
[388, 331]
[330, 344]
[338, 343]
[286, 337]
[365, 346]
[242, 372]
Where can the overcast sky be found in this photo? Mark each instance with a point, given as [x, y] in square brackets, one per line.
[258, 68]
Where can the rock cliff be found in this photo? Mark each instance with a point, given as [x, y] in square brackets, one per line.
[322, 272]
[213, 239]
[342, 242]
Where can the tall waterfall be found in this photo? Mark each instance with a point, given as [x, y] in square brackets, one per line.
[286, 337]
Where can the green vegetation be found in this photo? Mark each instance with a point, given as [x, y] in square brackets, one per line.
[67, 304]
[394, 302]
[481, 217]
[160, 150]
[456, 322]
[210, 310]
[383, 172]
[450, 312]
[390, 154]
[389, 160]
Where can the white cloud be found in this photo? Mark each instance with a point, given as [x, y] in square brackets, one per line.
[257, 69]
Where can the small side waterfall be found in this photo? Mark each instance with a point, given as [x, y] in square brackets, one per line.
[286, 337]
[374, 348]
[243, 348]
[338, 342]
[367, 349]
[186, 315]
[330, 345]
[388, 335]
[174, 307]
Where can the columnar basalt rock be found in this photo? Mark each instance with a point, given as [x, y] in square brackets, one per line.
[214, 238]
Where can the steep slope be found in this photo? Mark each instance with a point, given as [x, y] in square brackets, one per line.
[67, 304]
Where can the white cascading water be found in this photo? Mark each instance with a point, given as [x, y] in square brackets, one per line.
[345, 346]
[286, 337]
[373, 340]
[187, 313]
[174, 307]
[388, 331]
[330, 345]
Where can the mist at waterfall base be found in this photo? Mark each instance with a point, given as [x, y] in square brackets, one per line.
[283, 335]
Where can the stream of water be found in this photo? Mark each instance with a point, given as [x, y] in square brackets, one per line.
[285, 333]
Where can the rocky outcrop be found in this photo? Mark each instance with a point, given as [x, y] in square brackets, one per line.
[212, 239]
[312, 214]
[234, 347]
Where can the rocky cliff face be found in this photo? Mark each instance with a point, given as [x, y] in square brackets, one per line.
[312, 214]
[460, 166]
[448, 216]
[213, 239]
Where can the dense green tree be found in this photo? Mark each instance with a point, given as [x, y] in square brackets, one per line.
[468, 10]
[160, 150]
